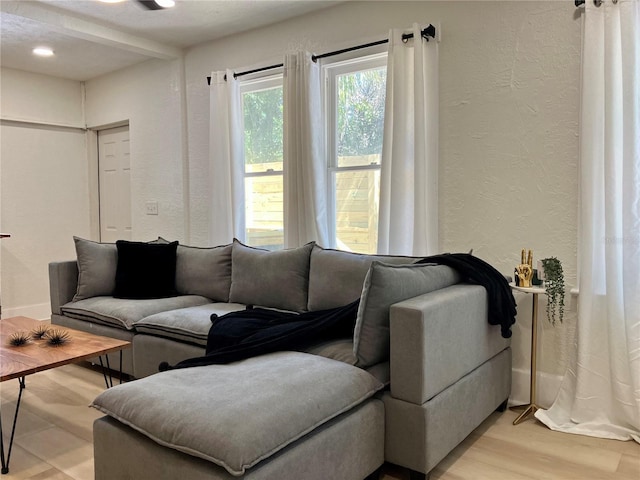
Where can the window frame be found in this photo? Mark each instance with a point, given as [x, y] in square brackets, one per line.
[258, 83]
[331, 70]
[270, 81]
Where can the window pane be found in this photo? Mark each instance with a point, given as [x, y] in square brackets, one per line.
[357, 194]
[263, 122]
[264, 211]
[360, 117]
[262, 111]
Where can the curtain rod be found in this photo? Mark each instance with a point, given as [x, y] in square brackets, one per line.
[427, 32]
[597, 3]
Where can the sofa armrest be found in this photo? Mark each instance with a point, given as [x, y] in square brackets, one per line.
[439, 337]
[63, 283]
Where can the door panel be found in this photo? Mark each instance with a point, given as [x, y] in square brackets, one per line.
[115, 184]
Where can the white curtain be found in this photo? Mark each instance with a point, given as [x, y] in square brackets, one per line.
[226, 154]
[305, 170]
[600, 394]
[408, 219]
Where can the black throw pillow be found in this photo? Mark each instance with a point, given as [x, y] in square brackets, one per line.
[145, 270]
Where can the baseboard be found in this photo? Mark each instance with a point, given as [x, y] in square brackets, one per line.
[40, 311]
[547, 387]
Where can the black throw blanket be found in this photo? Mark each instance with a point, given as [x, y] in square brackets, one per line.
[257, 331]
[502, 305]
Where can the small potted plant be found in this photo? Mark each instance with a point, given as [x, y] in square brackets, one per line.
[554, 286]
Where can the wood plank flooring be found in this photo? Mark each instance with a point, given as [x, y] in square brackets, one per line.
[54, 440]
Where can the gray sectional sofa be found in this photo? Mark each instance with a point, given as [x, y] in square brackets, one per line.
[422, 370]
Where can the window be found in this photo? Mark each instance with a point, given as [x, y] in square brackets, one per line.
[263, 156]
[354, 99]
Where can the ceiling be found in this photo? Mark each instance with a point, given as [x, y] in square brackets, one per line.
[91, 38]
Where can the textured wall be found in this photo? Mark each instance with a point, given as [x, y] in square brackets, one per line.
[148, 97]
[509, 75]
[44, 185]
[40, 98]
[509, 148]
[509, 100]
[509, 120]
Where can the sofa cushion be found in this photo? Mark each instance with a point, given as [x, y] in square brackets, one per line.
[239, 414]
[120, 312]
[340, 349]
[160, 240]
[97, 264]
[189, 324]
[385, 285]
[145, 270]
[276, 279]
[204, 271]
[336, 277]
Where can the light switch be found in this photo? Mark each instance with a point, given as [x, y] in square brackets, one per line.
[152, 208]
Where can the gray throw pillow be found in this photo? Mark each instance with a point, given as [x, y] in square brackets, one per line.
[160, 240]
[276, 279]
[336, 277]
[97, 264]
[204, 271]
[385, 285]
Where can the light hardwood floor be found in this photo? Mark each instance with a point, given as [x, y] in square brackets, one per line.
[53, 440]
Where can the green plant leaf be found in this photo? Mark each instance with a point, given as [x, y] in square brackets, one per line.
[554, 286]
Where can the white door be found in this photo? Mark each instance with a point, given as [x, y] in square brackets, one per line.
[115, 184]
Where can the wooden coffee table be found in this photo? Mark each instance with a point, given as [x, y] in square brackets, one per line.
[38, 355]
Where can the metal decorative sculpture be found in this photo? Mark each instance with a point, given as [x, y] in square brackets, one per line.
[525, 269]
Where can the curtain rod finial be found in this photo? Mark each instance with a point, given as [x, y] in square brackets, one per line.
[429, 31]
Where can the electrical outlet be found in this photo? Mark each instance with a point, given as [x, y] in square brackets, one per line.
[152, 208]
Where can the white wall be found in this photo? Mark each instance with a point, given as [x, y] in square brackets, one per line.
[44, 185]
[148, 96]
[41, 98]
[509, 76]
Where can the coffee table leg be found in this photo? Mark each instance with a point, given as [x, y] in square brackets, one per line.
[5, 466]
[5, 461]
[104, 372]
[108, 381]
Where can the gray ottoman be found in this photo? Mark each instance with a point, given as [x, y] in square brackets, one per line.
[286, 415]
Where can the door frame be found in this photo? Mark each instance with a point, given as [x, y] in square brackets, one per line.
[94, 173]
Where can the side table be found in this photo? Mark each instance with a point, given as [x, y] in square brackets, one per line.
[531, 408]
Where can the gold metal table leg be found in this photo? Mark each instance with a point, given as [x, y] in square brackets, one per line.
[532, 407]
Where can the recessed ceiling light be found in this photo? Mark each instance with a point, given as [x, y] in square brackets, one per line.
[157, 4]
[43, 51]
[166, 3]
